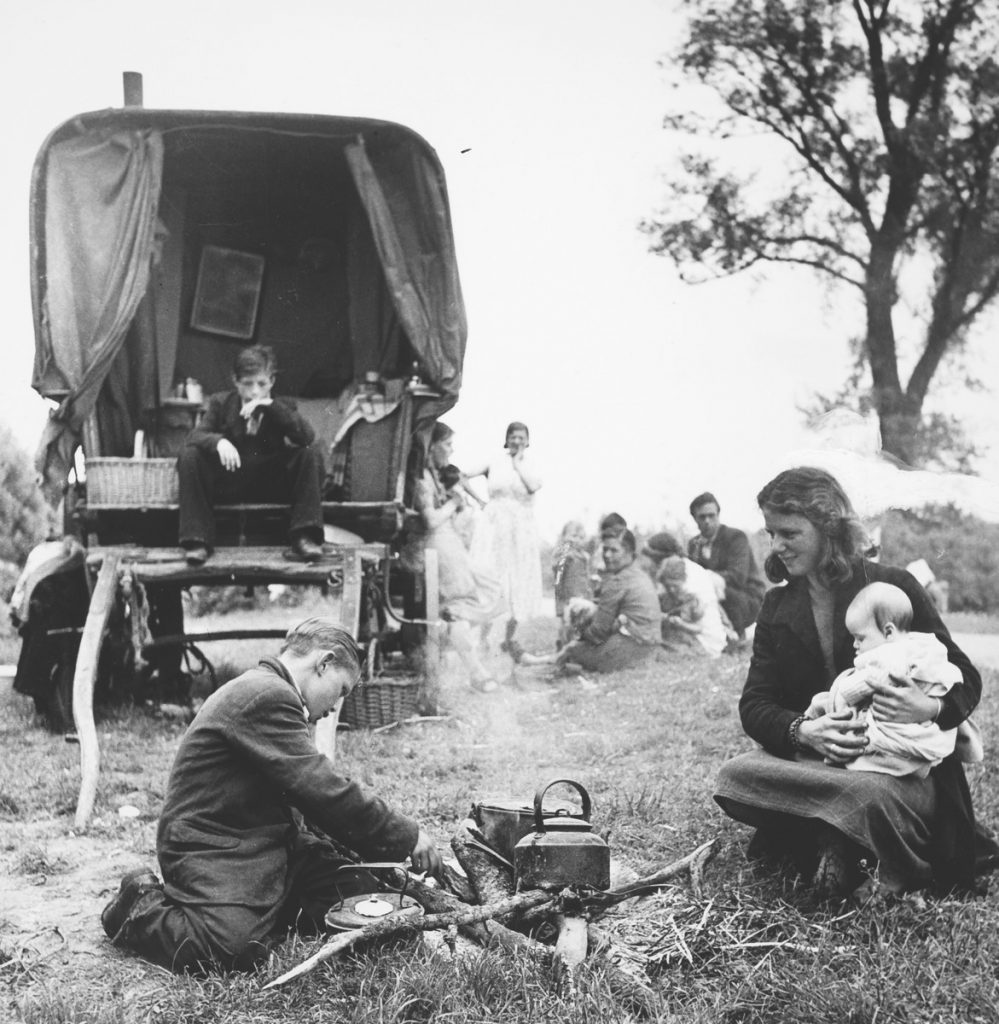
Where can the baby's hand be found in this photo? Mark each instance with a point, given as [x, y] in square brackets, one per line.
[821, 705]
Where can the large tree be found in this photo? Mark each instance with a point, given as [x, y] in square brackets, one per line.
[882, 175]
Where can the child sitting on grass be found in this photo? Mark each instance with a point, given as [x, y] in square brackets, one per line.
[571, 571]
[879, 618]
[691, 611]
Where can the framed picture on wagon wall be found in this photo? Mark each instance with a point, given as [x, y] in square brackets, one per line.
[228, 292]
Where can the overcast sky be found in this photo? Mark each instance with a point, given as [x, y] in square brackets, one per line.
[640, 391]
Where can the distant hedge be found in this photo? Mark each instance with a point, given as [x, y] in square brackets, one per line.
[25, 519]
[960, 548]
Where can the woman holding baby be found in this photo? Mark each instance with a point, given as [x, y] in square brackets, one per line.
[469, 595]
[799, 791]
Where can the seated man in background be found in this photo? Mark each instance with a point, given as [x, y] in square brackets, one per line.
[726, 551]
[250, 446]
[239, 867]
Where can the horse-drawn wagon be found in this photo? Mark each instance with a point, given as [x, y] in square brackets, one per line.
[162, 241]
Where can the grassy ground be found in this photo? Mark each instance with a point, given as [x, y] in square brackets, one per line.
[647, 744]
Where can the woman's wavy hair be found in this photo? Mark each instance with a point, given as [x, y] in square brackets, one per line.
[817, 495]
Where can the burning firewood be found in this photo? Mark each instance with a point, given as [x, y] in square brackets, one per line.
[401, 925]
[490, 874]
[481, 923]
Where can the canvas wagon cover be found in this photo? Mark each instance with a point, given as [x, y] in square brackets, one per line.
[95, 228]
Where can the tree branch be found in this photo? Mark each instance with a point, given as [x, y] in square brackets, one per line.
[813, 264]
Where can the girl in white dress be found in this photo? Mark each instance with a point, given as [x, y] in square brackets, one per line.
[506, 538]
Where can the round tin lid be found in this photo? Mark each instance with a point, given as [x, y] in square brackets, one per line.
[366, 908]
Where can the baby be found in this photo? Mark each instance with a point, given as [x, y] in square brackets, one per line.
[455, 486]
[879, 618]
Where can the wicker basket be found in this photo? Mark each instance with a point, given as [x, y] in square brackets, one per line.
[380, 701]
[131, 483]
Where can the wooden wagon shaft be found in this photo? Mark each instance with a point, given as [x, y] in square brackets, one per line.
[350, 620]
[173, 639]
[101, 601]
[399, 926]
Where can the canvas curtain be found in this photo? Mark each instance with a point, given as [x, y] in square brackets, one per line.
[405, 200]
[102, 193]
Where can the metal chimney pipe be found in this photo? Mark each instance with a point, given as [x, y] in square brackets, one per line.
[132, 85]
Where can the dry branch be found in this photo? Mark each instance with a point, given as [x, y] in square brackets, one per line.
[486, 933]
[480, 922]
[640, 886]
[400, 926]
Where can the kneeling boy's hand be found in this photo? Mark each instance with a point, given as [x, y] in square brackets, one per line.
[425, 857]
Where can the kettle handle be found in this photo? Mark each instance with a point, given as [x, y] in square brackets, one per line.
[540, 794]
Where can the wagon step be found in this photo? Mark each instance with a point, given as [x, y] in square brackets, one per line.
[235, 564]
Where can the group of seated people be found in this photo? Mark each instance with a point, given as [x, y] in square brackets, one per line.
[708, 595]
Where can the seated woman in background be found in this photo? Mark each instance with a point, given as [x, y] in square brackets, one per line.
[919, 831]
[624, 630]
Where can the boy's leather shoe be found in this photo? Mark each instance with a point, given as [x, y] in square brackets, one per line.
[307, 550]
[133, 885]
[196, 555]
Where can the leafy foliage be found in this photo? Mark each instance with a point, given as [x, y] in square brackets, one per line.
[879, 169]
[959, 548]
[25, 518]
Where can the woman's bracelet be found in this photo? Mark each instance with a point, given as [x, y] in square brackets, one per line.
[792, 733]
[940, 707]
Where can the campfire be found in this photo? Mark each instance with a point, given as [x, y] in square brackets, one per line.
[534, 878]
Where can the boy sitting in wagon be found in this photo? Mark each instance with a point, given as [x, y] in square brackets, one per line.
[250, 446]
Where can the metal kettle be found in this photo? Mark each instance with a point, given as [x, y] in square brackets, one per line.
[563, 849]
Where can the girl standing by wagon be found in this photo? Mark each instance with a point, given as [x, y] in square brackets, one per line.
[506, 539]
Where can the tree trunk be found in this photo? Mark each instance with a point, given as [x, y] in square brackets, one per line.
[899, 428]
[898, 415]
